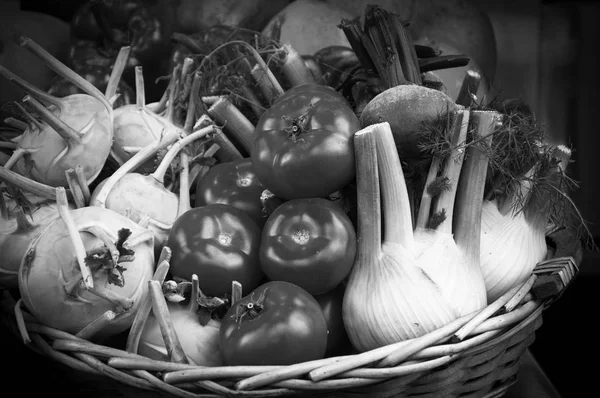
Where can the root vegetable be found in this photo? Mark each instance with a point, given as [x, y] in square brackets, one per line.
[86, 262]
[75, 130]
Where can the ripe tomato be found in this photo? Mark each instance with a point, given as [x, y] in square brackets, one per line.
[338, 342]
[220, 244]
[304, 143]
[233, 183]
[279, 323]
[309, 242]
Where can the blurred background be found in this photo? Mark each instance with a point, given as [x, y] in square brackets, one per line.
[546, 55]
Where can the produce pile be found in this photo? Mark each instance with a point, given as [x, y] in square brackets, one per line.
[267, 207]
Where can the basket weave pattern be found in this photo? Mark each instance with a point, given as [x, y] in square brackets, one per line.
[483, 364]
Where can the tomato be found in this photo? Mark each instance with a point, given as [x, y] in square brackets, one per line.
[303, 143]
[338, 342]
[309, 242]
[220, 244]
[234, 183]
[279, 323]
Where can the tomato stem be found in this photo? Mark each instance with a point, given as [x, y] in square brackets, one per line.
[236, 292]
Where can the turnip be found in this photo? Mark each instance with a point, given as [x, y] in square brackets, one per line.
[74, 130]
[85, 263]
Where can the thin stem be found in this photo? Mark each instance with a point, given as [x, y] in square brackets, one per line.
[85, 189]
[64, 71]
[252, 100]
[173, 90]
[29, 116]
[80, 253]
[451, 170]
[163, 317]
[396, 205]
[194, 295]
[188, 126]
[68, 134]
[236, 292]
[14, 158]
[28, 185]
[471, 186]
[140, 92]
[187, 41]
[121, 303]
[7, 145]
[159, 173]
[75, 188]
[96, 326]
[184, 184]
[294, 68]
[23, 224]
[368, 196]
[30, 88]
[139, 321]
[234, 122]
[16, 123]
[3, 207]
[117, 71]
[198, 170]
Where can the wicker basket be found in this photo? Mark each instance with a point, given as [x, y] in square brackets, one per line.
[474, 356]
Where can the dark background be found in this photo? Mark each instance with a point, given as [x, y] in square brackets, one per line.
[552, 47]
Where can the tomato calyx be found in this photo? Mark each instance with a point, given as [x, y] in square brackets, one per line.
[298, 125]
[250, 309]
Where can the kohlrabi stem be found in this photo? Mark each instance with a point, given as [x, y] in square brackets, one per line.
[134, 162]
[103, 237]
[23, 223]
[252, 100]
[64, 71]
[30, 88]
[117, 71]
[17, 154]
[184, 183]
[139, 321]
[451, 170]
[173, 91]
[190, 117]
[159, 173]
[235, 123]
[236, 292]
[294, 68]
[368, 195]
[198, 170]
[3, 207]
[78, 246]
[120, 302]
[97, 325]
[29, 116]
[75, 188]
[140, 91]
[163, 318]
[468, 89]
[397, 219]
[68, 134]
[85, 189]
[28, 185]
[471, 185]
[194, 295]
[16, 123]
